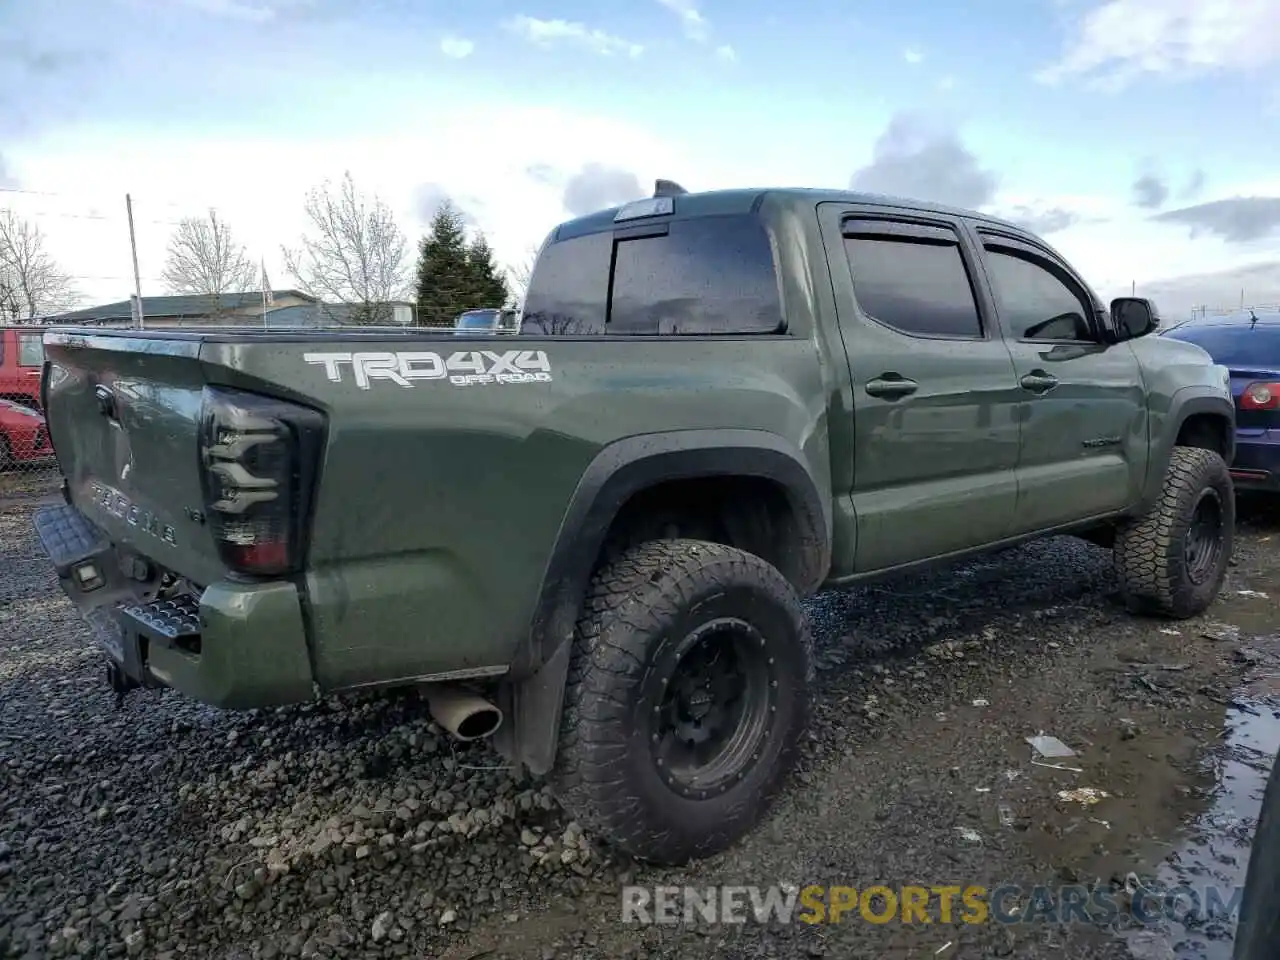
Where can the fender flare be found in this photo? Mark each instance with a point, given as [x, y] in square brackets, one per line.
[534, 697]
[1185, 403]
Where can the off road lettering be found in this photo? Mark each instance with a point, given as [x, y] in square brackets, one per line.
[463, 368]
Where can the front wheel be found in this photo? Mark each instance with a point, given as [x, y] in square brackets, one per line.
[687, 695]
[1173, 560]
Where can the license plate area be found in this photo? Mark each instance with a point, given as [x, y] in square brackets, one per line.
[123, 646]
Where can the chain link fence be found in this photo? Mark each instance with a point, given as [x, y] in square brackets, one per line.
[27, 466]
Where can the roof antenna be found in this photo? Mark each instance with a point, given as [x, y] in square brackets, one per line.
[667, 188]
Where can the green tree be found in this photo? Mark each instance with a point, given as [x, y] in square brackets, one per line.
[445, 276]
[488, 280]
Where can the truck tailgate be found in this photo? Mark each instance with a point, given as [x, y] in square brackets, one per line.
[124, 419]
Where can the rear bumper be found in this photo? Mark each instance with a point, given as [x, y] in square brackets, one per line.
[236, 646]
[1256, 466]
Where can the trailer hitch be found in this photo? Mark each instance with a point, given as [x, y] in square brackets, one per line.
[121, 683]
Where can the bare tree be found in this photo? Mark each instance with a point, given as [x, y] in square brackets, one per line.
[353, 254]
[518, 275]
[204, 258]
[31, 283]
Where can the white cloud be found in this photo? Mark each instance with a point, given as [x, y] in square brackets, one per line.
[1119, 40]
[1113, 246]
[947, 83]
[456, 47]
[913, 55]
[85, 172]
[547, 32]
[263, 11]
[726, 53]
[692, 21]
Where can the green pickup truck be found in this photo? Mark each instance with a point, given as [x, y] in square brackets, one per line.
[588, 540]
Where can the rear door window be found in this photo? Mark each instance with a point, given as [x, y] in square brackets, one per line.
[710, 275]
[30, 350]
[912, 279]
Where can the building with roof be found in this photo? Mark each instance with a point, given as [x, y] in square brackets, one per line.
[288, 308]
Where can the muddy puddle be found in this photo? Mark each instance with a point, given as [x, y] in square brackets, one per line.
[1201, 878]
[1213, 854]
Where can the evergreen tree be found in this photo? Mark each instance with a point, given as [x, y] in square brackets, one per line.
[488, 281]
[445, 275]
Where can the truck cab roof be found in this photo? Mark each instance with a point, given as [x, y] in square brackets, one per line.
[747, 200]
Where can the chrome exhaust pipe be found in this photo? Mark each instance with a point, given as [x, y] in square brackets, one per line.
[463, 714]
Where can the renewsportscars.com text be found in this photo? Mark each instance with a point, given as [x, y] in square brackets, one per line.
[973, 904]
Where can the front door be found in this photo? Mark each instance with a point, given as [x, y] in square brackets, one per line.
[1083, 408]
[935, 396]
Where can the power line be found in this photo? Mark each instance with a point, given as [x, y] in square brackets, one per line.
[115, 218]
[85, 276]
[82, 196]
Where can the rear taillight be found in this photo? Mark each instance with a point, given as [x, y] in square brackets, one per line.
[1260, 396]
[259, 456]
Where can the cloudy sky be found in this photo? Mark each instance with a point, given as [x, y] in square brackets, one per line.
[1139, 135]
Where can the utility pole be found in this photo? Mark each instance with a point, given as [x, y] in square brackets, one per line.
[137, 279]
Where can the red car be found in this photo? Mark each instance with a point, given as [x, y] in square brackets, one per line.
[21, 363]
[23, 437]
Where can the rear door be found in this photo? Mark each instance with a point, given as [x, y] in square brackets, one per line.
[1082, 403]
[935, 393]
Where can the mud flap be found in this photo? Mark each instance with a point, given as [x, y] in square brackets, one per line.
[533, 707]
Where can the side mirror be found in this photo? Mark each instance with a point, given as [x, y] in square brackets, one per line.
[1133, 317]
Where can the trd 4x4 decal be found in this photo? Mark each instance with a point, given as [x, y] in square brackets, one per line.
[464, 368]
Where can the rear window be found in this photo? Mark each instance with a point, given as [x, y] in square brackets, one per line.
[30, 350]
[711, 275]
[481, 320]
[1235, 346]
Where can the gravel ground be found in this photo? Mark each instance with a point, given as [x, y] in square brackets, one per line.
[355, 829]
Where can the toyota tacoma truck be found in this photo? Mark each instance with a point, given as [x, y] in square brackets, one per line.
[589, 541]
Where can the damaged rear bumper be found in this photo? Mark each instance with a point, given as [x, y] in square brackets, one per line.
[236, 646]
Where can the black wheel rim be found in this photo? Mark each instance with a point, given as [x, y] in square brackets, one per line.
[1203, 542]
[718, 697]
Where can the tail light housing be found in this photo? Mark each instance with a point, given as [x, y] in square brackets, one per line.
[1260, 396]
[258, 457]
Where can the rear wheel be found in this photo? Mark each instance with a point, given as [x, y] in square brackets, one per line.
[687, 695]
[1173, 560]
[7, 461]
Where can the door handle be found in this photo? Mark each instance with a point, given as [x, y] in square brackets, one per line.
[1037, 381]
[890, 386]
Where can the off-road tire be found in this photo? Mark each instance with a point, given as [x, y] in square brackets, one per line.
[639, 611]
[7, 460]
[1150, 552]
